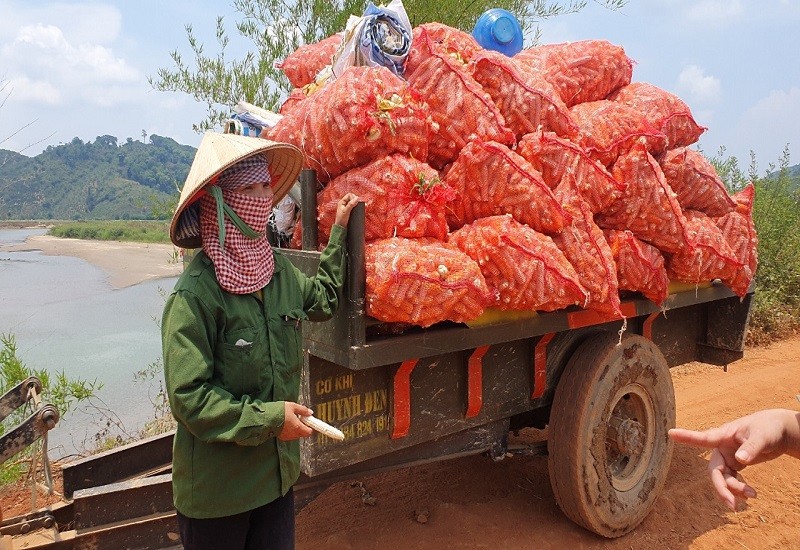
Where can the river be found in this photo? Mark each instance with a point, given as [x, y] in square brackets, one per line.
[65, 316]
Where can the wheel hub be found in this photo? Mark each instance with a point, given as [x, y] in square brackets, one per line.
[629, 436]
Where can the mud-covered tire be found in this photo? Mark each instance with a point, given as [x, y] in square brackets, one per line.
[609, 452]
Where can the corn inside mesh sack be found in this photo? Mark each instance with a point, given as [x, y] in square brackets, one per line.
[608, 129]
[709, 256]
[523, 268]
[366, 113]
[586, 70]
[739, 231]
[648, 207]
[422, 282]
[696, 182]
[459, 107]
[438, 37]
[666, 111]
[553, 156]
[585, 246]
[403, 197]
[640, 266]
[490, 179]
[302, 65]
[526, 100]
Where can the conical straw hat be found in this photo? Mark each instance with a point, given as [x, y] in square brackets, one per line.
[216, 153]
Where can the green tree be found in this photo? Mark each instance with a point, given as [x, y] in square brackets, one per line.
[59, 390]
[277, 28]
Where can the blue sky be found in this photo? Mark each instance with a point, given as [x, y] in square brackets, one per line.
[79, 69]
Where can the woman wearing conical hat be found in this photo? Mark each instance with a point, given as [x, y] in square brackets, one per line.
[232, 346]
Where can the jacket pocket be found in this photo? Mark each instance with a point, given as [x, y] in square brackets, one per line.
[242, 362]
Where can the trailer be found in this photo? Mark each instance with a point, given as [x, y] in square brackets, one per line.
[404, 396]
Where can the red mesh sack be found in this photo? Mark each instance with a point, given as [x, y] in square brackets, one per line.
[588, 70]
[437, 37]
[526, 100]
[740, 233]
[553, 156]
[490, 179]
[366, 113]
[640, 266]
[609, 129]
[523, 268]
[295, 97]
[664, 110]
[648, 207]
[302, 65]
[584, 245]
[422, 282]
[403, 197]
[709, 256]
[695, 181]
[459, 106]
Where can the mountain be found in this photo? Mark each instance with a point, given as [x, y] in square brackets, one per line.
[100, 180]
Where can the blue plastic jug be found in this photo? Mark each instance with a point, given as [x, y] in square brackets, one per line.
[498, 29]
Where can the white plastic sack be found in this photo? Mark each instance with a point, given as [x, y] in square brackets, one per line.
[381, 37]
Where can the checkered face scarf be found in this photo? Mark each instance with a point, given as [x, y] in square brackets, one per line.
[233, 228]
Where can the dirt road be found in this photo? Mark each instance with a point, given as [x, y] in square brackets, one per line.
[474, 503]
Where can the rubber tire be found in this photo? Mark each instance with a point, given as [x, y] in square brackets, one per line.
[601, 485]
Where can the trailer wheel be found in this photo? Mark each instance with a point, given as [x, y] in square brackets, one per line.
[609, 452]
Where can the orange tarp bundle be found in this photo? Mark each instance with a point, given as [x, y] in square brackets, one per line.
[695, 181]
[366, 113]
[523, 268]
[553, 156]
[648, 207]
[526, 100]
[587, 70]
[665, 110]
[422, 282]
[490, 179]
[403, 196]
[640, 266]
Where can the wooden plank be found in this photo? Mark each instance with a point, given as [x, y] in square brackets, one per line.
[118, 464]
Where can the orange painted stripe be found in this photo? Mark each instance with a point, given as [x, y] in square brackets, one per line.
[589, 317]
[475, 381]
[540, 366]
[402, 399]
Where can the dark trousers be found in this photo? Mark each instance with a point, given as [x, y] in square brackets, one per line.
[268, 527]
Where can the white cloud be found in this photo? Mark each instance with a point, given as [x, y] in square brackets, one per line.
[64, 53]
[715, 12]
[701, 88]
[22, 89]
[771, 124]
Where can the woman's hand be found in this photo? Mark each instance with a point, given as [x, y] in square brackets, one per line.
[343, 209]
[292, 427]
[754, 438]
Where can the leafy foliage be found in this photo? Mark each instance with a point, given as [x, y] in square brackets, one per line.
[59, 390]
[276, 28]
[776, 213]
[134, 231]
[100, 180]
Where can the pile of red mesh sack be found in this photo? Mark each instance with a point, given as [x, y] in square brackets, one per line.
[523, 268]
[538, 182]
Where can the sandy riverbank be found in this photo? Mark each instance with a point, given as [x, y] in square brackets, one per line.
[125, 263]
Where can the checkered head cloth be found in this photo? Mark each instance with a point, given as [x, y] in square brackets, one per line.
[254, 169]
[243, 262]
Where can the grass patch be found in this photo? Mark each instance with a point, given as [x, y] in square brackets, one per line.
[143, 231]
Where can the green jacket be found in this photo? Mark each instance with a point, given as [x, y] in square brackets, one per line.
[230, 362]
